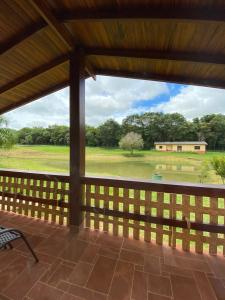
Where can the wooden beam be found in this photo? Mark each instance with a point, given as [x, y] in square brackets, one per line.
[59, 28]
[77, 135]
[149, 54]
[155, 220]
[42, 69]
[215, 83]
[22, 36]
[44, 93]
[150, 13]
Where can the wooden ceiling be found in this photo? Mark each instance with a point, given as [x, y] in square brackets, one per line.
[179, 41]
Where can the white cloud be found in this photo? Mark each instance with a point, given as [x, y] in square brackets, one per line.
[108, 97]
[195, 101]
[112, 97]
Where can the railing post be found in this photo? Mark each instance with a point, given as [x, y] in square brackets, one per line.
[77, 135]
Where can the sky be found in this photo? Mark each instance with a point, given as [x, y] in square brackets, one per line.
[113, 97]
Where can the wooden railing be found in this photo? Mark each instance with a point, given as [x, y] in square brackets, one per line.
[186, 216]
[40, 195]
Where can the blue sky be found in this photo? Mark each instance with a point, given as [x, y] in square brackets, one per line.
[111, 97]
[174, 89]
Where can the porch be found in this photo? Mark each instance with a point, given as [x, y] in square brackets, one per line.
[96, 265]
[126, 239]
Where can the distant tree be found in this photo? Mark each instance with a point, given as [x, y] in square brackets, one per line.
[131, 141]
[218, 164]
[109, 133]
[92, 138]
[7, 136]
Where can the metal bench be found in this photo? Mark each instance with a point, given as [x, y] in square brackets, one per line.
[8, 235]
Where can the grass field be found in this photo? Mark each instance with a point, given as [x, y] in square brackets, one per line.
[115, 162]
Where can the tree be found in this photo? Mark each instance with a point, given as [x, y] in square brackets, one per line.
[218, 164]
[131, 141]
[7, 136]
[204, 172]
[109, 133]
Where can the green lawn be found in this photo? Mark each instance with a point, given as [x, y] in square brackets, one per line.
[115, 162]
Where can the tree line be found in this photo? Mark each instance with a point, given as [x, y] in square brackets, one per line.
[151, 126]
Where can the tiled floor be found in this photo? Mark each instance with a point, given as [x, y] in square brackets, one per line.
[93, 265]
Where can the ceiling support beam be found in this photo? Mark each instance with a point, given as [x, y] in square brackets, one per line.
[22, 36]
[30, 75]
[150, 13]
[59, 28]
[164, 78]
[149, 54]
[41, 94]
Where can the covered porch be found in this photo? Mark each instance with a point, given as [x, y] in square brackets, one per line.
[98, 237]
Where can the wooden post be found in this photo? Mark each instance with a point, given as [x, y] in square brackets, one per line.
[77, 135]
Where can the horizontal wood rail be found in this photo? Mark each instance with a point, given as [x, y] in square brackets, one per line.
[156, 220]
[185, 188]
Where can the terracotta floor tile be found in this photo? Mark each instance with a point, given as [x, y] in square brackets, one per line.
[204, 287]
[141, 246]
[50, 270]
[51, 247]
[218, 288]
[89, 258]
[74, 250]
[7, 257]
[132, 256]
[152, 264]
[184, 288]
[80, 273]
[186, 263]
[85, 293]
[140, 287]
[109, 241]
[88, 235]
[217, 265]
[43, 291]
[122, 281]
[167, 269]
[159, 285]
[67, 296]
[34, 241]
[158, 297]
[62, 272]
[19, 287]
[101, 275]
[11, 272]
[90, 253]
[109, 252]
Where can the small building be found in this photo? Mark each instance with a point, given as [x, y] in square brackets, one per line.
[199, 147]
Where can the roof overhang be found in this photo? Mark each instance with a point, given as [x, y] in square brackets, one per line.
[179, 42]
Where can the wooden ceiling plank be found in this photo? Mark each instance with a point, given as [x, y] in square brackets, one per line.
[148, 54]
[26, 77]
[163, 78]
[151, 13]
[59, 28]
[21, 36]
[38, 95]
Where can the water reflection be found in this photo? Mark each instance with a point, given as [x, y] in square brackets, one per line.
[178, 167]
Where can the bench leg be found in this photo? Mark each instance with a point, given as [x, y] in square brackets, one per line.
[29, 247]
